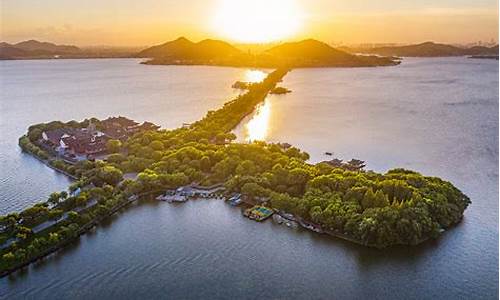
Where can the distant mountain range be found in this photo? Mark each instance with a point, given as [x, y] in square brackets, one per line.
[427, 49]
[35, 49]
[307, 53]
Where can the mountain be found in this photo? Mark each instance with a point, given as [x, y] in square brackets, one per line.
[307, 53]
[34, 45]
[313, 53]
[429, 49]
[8, 51]
[172, 48]
[35, 49]
[311, 49]
[184, 51]
[482, 50]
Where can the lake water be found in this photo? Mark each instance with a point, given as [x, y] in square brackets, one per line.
[437, 116]
[38, 91]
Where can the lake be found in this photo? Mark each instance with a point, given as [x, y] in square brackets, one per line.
[38, 91]
[437, 116]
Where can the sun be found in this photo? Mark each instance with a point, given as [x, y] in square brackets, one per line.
[257, 21]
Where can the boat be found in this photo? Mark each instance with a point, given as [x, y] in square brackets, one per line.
[278, 219]
[287, 216]
[311, 226]
[329, 153]
[235, 200]
[291, 224]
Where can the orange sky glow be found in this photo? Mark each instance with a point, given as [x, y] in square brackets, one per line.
[148, 22]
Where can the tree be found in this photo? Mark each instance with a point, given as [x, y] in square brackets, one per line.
[35, 134]
[55, 214]
[230, 136]
[9, 222]
[53, 238]
[54, 198]
[246, 167]
[9, 257]
[368, 199]
[156, 145]
[113, 146]
[107, 174]
[220, 138]
[252, 189]
[116, 158]
[205, 164]
[380, 199]
[73, 217]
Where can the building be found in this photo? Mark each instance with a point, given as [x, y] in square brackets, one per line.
[120, 128]
[72, 142]
[76, 141]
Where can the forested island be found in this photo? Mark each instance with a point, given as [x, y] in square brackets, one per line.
[303, 54]
[400, 207]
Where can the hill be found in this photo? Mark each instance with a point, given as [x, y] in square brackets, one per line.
[35, 49]
[184, 51]
[313, 53]
[428, 49]
[34, 45]
[307, 53]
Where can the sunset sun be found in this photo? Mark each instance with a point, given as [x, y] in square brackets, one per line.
[257, 21]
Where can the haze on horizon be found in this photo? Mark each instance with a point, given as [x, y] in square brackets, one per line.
[148, 22]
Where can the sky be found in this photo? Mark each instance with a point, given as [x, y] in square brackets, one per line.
[149, 22]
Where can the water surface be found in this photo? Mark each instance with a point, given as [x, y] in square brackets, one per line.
[438, 116]
[36, 91]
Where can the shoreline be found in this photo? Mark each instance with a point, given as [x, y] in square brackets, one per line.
[47, 163]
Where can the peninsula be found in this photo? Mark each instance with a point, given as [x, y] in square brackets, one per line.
[118, 161]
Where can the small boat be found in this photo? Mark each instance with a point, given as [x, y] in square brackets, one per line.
[329, 153]
[310, 226]
[287, 216]
[235, 200]
[291, 224]
[278, 219]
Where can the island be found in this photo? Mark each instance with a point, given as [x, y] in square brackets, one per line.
[304, 54]
[117, 161]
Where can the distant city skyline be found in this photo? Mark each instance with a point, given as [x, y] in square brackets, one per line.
[148, 22]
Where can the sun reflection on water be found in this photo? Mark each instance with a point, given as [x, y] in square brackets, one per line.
[255, 75]
[257, 128]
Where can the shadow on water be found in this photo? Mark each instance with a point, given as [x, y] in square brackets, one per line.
[51, 259]
[372, 258]
[366, 258]
[56, 257]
